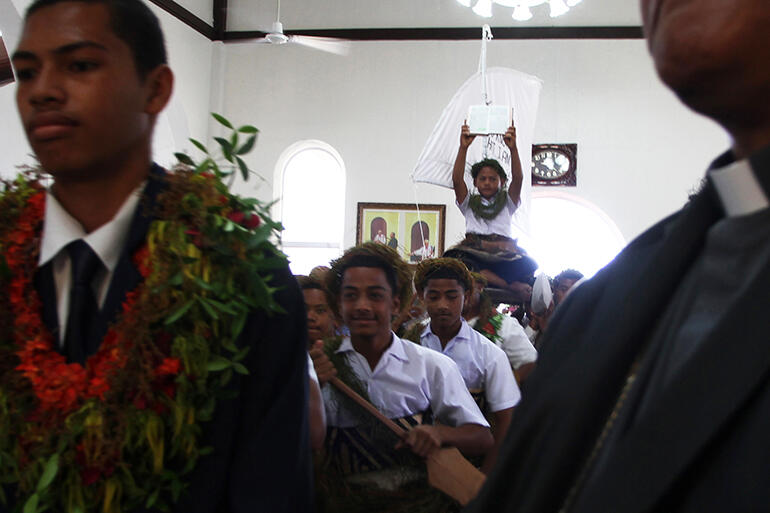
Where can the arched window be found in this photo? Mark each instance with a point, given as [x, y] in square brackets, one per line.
[310, 189]
[568, 232]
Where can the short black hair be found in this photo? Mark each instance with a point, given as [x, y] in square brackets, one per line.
[134, 23]
[375, 262]
[567, 274]
[481, 164]
[313, 283]
[374, 255]
[442, 268]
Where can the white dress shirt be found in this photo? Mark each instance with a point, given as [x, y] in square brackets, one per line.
[408, 379]
[514, 342]
[500, 224]
[60, 228]
[482, 364]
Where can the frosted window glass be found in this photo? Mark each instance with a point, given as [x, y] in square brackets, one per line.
[567, 234]
[312, 208]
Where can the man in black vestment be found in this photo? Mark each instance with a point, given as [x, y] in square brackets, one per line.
[652, 391]
[92, 80]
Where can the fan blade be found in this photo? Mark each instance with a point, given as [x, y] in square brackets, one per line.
[324, 44]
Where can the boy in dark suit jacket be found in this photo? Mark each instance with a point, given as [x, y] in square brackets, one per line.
[92, 79]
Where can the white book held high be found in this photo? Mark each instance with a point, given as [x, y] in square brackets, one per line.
[489, 119]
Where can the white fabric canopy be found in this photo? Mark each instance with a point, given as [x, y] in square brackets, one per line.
[504, 86]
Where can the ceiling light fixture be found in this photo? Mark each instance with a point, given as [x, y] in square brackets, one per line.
[483, 8]
[521, 8]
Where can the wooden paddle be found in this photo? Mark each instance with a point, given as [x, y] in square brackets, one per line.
[448, 470]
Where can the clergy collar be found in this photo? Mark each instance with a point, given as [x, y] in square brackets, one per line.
[60, 228]
[743, 186]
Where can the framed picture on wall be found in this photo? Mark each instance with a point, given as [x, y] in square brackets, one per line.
[415, 231]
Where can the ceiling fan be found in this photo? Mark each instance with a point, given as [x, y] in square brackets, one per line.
[325, 44]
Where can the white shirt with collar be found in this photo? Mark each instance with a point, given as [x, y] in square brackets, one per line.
[408, 379]
[60, 228]
[482, 364]
[738, 188]
[500, 224]
[514, 342]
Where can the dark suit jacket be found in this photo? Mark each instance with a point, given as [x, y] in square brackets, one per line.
[704, 446]
[261, 457]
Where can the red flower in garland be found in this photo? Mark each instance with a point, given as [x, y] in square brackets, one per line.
[59, 387]
[84, 412]
[169, 366]
[249, 221]
[142, 261]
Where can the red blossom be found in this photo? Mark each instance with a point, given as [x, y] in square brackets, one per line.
[142, 261]
[60, 387]
[236, 216]
[489, 328]
[169, 366]
[253, 222]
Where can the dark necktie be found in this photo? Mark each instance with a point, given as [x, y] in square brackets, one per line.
[83, 307]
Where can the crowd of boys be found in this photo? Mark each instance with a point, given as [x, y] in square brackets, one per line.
[612, 426]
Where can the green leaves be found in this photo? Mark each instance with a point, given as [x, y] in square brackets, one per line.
[248, 129]
[184, 159]
[230, 148]
[227, 148]
[199, 145]
[49, 473]
[248, 145]
[243, 167]
[179, 312]
[222, 121]
[31, 505]
[218, 363]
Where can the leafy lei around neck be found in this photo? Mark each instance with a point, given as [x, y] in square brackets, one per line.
[491, 210]
[123, 431]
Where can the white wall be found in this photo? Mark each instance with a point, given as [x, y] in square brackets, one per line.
[336, 14]
[191, 57]
[14, 149]
[639, 150]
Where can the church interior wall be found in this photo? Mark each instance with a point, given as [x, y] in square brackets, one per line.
[378, 105]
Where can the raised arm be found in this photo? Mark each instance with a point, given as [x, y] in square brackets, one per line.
[458, 172]
[517, 176]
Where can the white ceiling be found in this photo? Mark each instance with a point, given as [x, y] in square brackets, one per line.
[345, 14]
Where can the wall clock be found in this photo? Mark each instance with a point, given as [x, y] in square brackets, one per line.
[554, 164]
